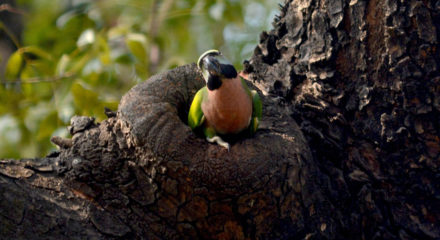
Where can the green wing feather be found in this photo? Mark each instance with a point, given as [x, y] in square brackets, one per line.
[195, 115]
[257, 108]
[257, 111]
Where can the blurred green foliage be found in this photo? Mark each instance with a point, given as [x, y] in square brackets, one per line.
[77, 57]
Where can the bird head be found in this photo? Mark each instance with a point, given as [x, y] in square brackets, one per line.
[215, 69]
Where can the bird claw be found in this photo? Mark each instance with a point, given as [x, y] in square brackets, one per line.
[219, 141]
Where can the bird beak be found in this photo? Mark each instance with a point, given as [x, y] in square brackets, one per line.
[212, 65]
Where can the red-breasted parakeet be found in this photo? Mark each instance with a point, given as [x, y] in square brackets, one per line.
[225, 105]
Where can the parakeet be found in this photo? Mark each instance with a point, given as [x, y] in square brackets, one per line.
[225, 105]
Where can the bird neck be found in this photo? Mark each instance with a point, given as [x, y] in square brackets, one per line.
[213, 83]
[230, 88]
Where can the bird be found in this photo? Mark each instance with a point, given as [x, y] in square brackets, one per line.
[225, 106]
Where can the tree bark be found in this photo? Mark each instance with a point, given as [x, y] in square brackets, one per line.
[361, 80]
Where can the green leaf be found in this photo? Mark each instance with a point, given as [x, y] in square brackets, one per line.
[86, 101]
[124, 59]
[36, 52]
[14, 66]
[29, 62]
[78, 64]
[36, 69]
[104, 51]
[62, 65]
[137, 43]
[83, 97]
[74, 11]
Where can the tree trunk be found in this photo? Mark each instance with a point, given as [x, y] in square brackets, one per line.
[360, 78]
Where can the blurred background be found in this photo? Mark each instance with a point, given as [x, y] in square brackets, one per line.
[60, 58]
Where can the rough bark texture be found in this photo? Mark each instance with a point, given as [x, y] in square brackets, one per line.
[144, 174]
[359, 77]
[362, 81]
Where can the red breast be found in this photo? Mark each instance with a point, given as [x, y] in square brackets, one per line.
[228, 109]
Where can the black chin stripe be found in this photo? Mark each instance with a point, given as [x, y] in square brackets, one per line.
[228, 71]
[214, 82]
